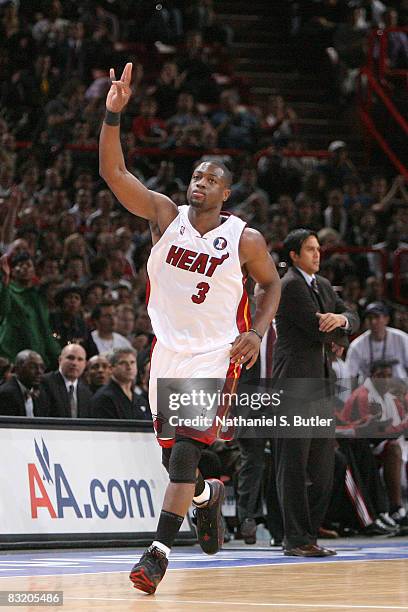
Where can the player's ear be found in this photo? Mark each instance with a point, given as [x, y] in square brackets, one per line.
[226, 194]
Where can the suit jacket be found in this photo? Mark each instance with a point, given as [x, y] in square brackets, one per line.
[110, 402]
[298, 352]
[54, 397]
[12, 400]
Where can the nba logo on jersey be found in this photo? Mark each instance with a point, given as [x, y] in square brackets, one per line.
[182, 229]
[220, 243]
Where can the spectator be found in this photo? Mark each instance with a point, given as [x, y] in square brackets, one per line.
[335, 215]
[63, 394]
[5, 370]
[19, 395]
[280, 120]
[237, 128]
[378, 342]
[339, 166]
[24, 313]
[98, 372]
[374, 402]
[125, 321]
[147, 127]
[244, 188]
[104, 338]
[93, 294]
[117, 399]
[67, 322]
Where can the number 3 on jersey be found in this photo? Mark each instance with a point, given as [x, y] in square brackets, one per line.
[203, 289]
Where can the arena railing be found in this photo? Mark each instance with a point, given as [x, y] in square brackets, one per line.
[373, 90]
[400, 278]
[378, 62]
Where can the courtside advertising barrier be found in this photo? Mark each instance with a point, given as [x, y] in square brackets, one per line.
[68, 484]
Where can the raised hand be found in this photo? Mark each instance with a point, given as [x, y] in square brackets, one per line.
[120, 91]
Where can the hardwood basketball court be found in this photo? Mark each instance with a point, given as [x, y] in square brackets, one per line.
[370, 575]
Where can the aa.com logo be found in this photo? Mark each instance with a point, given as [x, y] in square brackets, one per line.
[118, 498]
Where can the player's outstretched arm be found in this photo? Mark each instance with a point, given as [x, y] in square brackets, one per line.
[260, 266]
[130, 192]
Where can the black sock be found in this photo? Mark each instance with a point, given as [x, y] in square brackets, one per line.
[168, 527]
[200, 484]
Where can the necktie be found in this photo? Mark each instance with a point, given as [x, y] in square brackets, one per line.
[72, 401]
[316, 292]
[314, 286]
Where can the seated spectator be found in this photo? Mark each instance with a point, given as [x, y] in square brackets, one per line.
[82, 208]
[98, 372]
[147, 127]
[104, 338]
[397, 42]
[195, 69]
[379, 342]
[104, 206]
[19, 395]
[117, 399]
[245, 187]
[373, 402]
[339, 166]
[164, 177]
[67, 322]
[62, 393]
[24, 312]
[74, 270]
[280, 120]
[143, 375]
[125, 321]
[6, 368]
[390, 245]
[237, 128]
[335, 215]
[186, 114]
[93, 294]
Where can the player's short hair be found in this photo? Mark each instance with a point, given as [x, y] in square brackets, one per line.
[225, 170]
[294, 241]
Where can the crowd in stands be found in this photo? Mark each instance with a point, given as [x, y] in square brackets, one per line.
[75, 335]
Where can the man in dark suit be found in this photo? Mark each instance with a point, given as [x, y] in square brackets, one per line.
[63, 394]
[310, 317]
[117, 399]
[18, 396]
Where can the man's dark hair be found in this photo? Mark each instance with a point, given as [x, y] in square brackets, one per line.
[97, 311]
[294, 241]
[92, 286]
[20, 258]
[382, 364]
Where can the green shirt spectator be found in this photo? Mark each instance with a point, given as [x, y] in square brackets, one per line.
[24, 317]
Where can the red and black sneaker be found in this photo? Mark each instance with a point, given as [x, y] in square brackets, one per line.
[210, 524]
[151, 568]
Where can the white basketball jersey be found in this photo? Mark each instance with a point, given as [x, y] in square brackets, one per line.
[197, 302]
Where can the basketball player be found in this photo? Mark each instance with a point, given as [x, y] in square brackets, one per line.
[196, 269]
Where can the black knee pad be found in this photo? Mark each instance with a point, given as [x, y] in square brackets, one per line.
[184, 459]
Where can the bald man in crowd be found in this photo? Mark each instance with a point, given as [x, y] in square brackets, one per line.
[63, 393]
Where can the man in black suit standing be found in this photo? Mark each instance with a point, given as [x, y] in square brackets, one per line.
[63, 394]
[117, 399]
[310, 317]
[18, 396]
